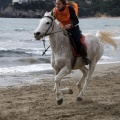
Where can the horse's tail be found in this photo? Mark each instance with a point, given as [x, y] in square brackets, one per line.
[105, 37]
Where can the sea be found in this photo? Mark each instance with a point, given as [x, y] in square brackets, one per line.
[21, 53]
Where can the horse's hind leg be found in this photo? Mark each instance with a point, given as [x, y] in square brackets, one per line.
[84, 70]
[87, 81]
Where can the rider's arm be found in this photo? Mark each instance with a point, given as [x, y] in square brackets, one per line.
[73, 16]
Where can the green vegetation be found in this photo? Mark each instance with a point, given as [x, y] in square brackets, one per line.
[5, 3]
[108, 7]
[96, 8]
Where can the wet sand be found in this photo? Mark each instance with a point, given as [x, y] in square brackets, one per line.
[37, 101]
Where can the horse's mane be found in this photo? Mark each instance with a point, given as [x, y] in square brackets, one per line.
[58, 24]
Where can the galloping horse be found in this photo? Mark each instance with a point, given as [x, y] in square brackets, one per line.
[62, 58]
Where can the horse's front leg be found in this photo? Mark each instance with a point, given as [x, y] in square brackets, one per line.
[64, 90]
[56, 72]
[63, 72]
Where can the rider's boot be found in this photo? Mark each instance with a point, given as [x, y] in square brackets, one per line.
[84, 56]
[86, 60]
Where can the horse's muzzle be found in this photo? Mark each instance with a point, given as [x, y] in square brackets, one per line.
[37, 35]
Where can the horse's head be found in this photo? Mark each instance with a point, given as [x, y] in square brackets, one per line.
[45, 26]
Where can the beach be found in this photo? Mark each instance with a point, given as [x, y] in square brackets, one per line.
[38, 101]
[26, 77]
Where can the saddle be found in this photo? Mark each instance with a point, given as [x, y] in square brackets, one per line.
[74, 48]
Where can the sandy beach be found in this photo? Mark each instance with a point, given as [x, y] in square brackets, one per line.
[38, 101]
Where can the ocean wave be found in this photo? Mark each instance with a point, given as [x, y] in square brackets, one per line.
[35, 60]
[106, 58]
[22, 29]
[12, 53]
[23, 52]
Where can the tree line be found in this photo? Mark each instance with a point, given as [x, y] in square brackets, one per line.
[96, 8]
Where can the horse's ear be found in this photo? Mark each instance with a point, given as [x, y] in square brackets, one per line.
[52, 13]
[46, 13]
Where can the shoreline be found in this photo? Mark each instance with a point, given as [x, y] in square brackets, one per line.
[21, 68]
[19, 79]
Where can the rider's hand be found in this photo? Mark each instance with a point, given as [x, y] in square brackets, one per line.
[67, 26]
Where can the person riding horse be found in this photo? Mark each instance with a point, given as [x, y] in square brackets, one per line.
[66, 15]
[62, 56]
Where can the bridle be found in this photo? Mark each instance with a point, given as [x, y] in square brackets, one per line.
[46, 33]
[51, 25]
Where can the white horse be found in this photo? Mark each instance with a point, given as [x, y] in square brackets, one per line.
[62, 58]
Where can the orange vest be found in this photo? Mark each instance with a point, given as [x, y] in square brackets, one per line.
[62, 16]
[74, 5]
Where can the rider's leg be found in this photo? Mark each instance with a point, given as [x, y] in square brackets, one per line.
[76, 34]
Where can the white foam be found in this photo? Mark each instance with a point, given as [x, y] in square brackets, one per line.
[108, 62]
[106, 58]
[35, 68]
[22, 69]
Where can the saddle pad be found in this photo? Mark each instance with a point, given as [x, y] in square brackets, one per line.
[74, 46]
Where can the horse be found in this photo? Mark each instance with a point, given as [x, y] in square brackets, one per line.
[63, 60]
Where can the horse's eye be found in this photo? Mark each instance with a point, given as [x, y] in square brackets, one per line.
[48, 23]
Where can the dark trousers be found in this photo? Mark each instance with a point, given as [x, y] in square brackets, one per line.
[76, 34]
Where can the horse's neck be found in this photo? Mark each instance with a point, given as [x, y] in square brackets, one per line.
[56, 40]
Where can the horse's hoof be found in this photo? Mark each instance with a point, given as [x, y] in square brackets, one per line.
[79, 98]
[70, 91]
[59, 102]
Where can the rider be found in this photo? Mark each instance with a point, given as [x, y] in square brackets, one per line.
[66, 15]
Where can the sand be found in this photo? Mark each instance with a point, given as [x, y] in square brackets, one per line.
[38, 101]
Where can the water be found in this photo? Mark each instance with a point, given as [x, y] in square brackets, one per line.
[19, 52]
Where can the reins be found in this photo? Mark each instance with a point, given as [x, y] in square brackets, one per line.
[46, 49]
[56, 32]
